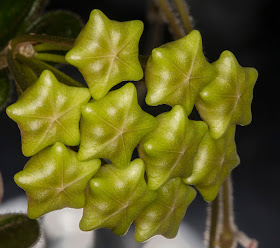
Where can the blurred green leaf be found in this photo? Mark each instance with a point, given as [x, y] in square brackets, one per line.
[14, 15]
[34, 13]
[4, 87]
[59, 23]
[18, 231]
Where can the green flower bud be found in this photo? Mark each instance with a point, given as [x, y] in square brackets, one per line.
[215, 160]
[169, 150]
[112, 127]
[48, 112]
[164, 215]
[116, 197]
[55, 179]
[227, 99]
[177, 71]
[106, 53]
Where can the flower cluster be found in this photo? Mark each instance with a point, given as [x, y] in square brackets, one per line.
[69, 129]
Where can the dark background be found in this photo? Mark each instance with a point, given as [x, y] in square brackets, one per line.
[249, 29]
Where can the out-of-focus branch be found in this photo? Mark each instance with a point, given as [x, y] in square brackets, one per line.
[176, 14]
[184, 12]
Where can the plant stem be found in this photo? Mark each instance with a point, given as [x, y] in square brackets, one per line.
[222, 228]
[29, 74]
[227, 198]
[183, 9]
[227, 237]
[64, 43]
[245, 241]
[170, 16]
[51, 58]
[177, 14]
[42, 47]
[214, 221]
[223, 232]
[39, 66]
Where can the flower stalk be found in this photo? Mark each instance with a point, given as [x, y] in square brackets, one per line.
[222, 232]
[176, 13]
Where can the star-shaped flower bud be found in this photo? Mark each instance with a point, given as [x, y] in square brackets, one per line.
[227, 99]
[116, 197]
[48, 112]
[164, 215]
[106, 53]
[54, 179]
[112, 127]
[169, 150]
[177, 71]
[215, 160]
